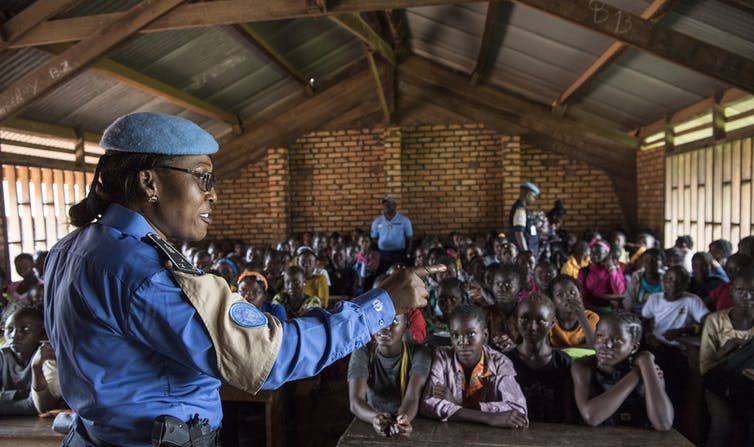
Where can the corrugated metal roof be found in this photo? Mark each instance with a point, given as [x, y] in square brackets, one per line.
[15, 63]
[539, 56]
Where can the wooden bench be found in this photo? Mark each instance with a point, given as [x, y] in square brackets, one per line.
[274, 411]
[429, 433]
[28, 431]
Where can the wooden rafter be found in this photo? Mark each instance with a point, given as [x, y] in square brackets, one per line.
[33, 15]
[490, 35]
[653, 11]
[147, 84]
[357, 26]
[52, 73]
[606, 144]
[203, 14]
[249, 36]
[306, 116]
[663, 42]
[387, 113]
[47, 130]
[688, 112]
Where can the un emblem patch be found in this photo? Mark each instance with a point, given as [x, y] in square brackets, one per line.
[247, 315]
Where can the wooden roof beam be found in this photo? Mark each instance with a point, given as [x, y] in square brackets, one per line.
[357, 26]
[61, 67]
[306, 116]
[654, 11]
[47, 130]
[249, 36]
[386, 110]
[203, 14]
[491, 35]
[31, 16]
[665, 43]
[606, 144]
[147, 84]
[743, 5]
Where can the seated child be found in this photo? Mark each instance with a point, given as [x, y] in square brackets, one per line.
[386, 378]
[253, 287]
[342, 275]
[542, 372]
[574, 325]
[706, 277]
[314, 284]
[602, 279]
[24, 329]
[228, 270]
[274, 263]
[470, 381]
[544, 272]
[720, 298]
[578, 259]
[450, 297]
[619, 385]
[527, 262]
[645, 281]
[672, 314]
[293, 298]
[726, 355]
[506, 284]
[417, 324]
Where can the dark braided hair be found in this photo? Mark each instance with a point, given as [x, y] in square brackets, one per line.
[629, 321]
[114, 181]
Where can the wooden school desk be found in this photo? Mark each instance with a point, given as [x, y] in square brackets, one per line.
[28, 431]
[274, 411]
[429, 433]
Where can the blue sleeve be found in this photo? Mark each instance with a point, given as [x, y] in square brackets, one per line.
[278, 311]
[319, 338]
[163, 318]
[374, 233]
[409, 230]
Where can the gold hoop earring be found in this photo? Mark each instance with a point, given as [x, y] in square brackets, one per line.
[153, 198]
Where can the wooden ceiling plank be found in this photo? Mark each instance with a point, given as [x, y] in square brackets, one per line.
[357, 26]
[33, 15]
[204, 14]
[60, 68]
[662, 42]
[653, 11]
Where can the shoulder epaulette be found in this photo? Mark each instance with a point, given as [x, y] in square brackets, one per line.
[176, 257]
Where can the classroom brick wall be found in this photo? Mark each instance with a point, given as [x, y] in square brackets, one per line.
[451, 178]
[650, 180]
[446, 178]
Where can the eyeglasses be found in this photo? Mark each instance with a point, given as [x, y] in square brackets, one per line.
[207, 178]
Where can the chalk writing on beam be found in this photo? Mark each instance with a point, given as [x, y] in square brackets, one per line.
[600, 14]
[59, 70]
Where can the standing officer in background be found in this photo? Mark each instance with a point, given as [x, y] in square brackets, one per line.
[393, 232]
[521, 228]
[142, 338]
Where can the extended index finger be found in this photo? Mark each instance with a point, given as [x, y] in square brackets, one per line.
[421, 272]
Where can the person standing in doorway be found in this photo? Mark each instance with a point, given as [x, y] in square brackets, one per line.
[521, 227]
[393, 232]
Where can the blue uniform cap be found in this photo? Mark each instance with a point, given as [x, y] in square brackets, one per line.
[388, 200]
[531, 187]
[157, 133]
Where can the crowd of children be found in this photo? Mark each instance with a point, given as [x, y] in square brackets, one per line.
[597, 335]
[596, 332]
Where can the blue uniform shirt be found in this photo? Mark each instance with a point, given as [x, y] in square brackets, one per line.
[131, 347]
[391, 234]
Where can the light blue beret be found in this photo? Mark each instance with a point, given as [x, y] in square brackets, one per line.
[157, 133]
[531, 187]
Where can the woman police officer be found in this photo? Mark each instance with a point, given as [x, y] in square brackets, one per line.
[139, 334]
